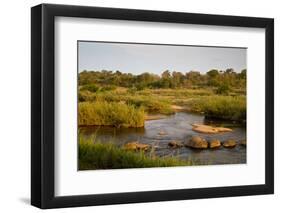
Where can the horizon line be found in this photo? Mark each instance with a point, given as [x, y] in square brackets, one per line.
[108, 70]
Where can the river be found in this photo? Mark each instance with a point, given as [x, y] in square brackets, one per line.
[177, 127]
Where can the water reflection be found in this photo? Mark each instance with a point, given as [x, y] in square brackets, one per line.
[176, 127]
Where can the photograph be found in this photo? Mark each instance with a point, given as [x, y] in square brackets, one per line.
[140, 105]
[160, 105]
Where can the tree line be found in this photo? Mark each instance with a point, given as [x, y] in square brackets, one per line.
[221, 79]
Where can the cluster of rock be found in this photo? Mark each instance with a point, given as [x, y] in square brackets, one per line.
[136, 146]
[195, 142]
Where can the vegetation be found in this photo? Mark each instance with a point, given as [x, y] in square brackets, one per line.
[213, 78]
[95, 155]
[110, 114]
[117, 99]
[222, 107]
[123, 99]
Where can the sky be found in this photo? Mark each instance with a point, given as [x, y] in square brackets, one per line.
[140, 58]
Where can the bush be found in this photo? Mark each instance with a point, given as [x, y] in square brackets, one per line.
[150, 104]
[222, 107]
[110, 114]
[223, 89]
[90, 87]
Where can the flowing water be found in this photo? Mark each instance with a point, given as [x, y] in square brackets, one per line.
[176, 127]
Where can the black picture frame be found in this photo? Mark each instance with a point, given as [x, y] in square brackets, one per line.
[43, 102]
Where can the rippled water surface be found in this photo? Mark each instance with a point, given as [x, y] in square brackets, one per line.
[177, 127]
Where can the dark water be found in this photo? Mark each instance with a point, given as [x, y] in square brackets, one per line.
[177, 127]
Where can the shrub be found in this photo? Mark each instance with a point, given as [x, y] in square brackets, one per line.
[150, 104]
[223, 89]
[222, 107]
[90, 87]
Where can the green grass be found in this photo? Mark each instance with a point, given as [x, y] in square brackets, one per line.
[110, 114]
[151, 103]
[109, 156]
[159, 101]
[222, 107]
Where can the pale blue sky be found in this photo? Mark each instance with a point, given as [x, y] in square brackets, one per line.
[139, 58]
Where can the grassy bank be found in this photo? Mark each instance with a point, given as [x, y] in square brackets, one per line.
[158, 101]
[109, 156]
[110, 114]
[222, 107]
[148, 99]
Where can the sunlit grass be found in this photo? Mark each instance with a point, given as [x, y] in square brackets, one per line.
[95, 155]
[160, 101]
[224, 107]
[110, 114]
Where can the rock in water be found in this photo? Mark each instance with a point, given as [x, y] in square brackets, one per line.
[214, 143]
[175, 144]
[223, 129]
[136, 146]
[229, 144]
[209, 129]
[197, 143]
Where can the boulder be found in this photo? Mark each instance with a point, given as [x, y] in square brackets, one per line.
[214, 143]
[177, 108]
[223, 129]
[197, 142]
[209, 129]
[136, 146]
[175, 144]
[229, 144]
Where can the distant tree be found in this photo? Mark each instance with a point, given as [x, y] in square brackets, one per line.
[118, 72]
[213, 77]
[243, 74]
[177, 79]
[213, 73]
[223, 80]
[166, 74]
[229, 70]
[193, 77]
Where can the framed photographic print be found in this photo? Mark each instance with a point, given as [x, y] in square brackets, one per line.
[139, 106]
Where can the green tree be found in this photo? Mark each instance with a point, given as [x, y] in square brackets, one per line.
[166, 74]
[213, 73]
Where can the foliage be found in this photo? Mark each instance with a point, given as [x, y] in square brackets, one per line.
[90, 88]
[110, 114]
[122, 99]
[223, 89]
[168, 79]
[145, 99]
[95, 155]
[150, 104]
[223, 107]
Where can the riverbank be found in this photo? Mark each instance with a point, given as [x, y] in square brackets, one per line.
[174, 128]
[96, 155]
[125, 108]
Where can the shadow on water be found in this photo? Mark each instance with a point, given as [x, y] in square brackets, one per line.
[175, 127]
